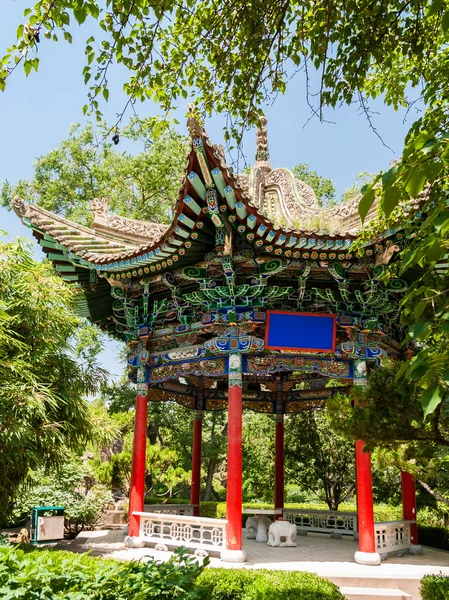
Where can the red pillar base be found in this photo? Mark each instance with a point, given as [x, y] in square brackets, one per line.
[233, 556]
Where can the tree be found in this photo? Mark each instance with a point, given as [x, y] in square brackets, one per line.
[43, 411]
[258, 456]
[361, 179]
[141, 186]
[389, 415]
[69, 486]
[171, 49]
[324, 188]
[318, 459]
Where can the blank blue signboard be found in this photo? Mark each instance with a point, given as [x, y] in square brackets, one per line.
[310, 332]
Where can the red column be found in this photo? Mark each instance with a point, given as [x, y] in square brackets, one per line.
[364, 499]
[196, 463]
[234, 551]
[409, 504]
[367, 554]
[137, 491]
[279, 464]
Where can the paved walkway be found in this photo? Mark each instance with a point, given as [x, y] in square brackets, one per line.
[318, 553]
[328, 557]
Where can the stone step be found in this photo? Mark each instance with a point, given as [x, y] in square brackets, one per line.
[409, 586]
[359, 593]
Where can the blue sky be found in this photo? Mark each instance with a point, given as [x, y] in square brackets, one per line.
[36, 112]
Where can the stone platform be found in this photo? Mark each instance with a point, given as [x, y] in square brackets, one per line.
[398, 577]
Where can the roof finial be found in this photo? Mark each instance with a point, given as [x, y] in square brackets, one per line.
[193, 124]
[99, 207]
[19, 206]
[262, 153]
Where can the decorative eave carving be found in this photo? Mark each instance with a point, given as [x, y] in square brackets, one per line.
[143, 232]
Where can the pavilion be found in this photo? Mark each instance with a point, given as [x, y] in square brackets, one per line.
[252, 290]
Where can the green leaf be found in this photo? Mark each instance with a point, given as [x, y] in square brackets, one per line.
[403, 368]
[420, 140]
[419, 309]
[435, 7]
[416, 330]
[445, 21]
[431, 398]
[390, 175]
[442, 222]
[435, 251]
[390, 199]
[80, 15]
[432, 170]
[418, 370]
[415, 182]
[446, 377]
[431, 143]
[27, 67]
[365, 203]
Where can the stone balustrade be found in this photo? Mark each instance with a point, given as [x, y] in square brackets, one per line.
[391, 536]
[198, 533]
[171, 509]
[322, 521]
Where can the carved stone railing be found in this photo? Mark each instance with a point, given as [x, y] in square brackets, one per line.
[171, 509]
[322, 521]
[177, 530]
[392, 535]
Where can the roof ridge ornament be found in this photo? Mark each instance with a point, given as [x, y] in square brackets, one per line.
[262, 153]
[19, 206]
[193, 124]
[99, 207]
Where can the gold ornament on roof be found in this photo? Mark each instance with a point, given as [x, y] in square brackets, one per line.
[193, 124]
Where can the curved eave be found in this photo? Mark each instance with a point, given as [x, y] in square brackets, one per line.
[191, 234]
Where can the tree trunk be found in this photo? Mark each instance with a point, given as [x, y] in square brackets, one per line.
[210, 474]
[217, 496]
[433, 492]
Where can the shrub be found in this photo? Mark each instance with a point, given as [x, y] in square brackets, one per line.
[436, 537]
[66, 487]
[225, 584]
[159, 500]
[291, 585]
[243, 584]
[52, 574]
[435, 587]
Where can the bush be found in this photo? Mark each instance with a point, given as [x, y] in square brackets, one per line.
[435, 587]
[159, 500]
[431, 517]
[57, 574]
[242, 584]
[67, 487]
[226, 584]
[436, 537]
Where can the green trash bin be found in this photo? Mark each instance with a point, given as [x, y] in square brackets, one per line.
[47, 524]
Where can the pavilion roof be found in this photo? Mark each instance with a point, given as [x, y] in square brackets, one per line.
[250, 204]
